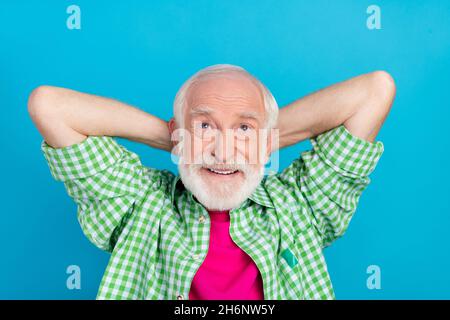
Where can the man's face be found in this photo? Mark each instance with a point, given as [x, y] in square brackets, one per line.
[225, 149]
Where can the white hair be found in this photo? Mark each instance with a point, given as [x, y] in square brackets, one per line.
[270, 104]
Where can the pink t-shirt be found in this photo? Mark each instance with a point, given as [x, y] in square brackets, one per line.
[227, 273]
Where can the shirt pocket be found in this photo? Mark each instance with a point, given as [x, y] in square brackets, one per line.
[291, 275]
[291, 271]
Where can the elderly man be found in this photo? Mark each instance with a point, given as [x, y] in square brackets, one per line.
[222, 229]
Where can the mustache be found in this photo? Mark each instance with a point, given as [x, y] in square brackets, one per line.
[222, 166]
[207, 161]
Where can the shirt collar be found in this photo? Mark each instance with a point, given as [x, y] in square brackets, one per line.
[259, 196]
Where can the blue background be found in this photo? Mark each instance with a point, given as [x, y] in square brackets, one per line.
[141, 52]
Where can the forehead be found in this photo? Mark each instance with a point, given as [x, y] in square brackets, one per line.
[226, 94]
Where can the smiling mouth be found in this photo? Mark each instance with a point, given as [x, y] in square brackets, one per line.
[223, 172]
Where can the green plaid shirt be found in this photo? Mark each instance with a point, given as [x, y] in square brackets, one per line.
[158, 234]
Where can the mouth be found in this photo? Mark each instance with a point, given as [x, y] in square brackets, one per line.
[221, 172]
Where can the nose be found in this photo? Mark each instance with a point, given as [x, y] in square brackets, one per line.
[223, 150]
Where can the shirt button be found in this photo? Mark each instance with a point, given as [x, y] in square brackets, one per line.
[180, 297]
[201, 219]
[196, 256]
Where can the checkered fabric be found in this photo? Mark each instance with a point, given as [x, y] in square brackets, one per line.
[158, 233]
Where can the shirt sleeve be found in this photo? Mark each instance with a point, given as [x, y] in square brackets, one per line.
[331, 177]
[104, 179]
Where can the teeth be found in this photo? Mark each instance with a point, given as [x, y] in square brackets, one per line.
[222, 172]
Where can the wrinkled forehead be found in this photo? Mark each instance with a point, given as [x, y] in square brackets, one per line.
[228, 92]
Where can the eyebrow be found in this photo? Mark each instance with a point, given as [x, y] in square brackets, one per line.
[205, 110]
[201, 110]
[250, 115]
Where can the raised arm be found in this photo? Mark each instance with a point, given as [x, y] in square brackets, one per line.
[360, 103]
[65, 117]
[342, 122]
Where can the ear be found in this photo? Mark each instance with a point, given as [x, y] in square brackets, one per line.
[272, 141]
[172, 125]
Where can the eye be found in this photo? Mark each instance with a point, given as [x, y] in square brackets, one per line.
[244, 127]
[204, 125]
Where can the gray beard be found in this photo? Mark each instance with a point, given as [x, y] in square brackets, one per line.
[225, 196]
